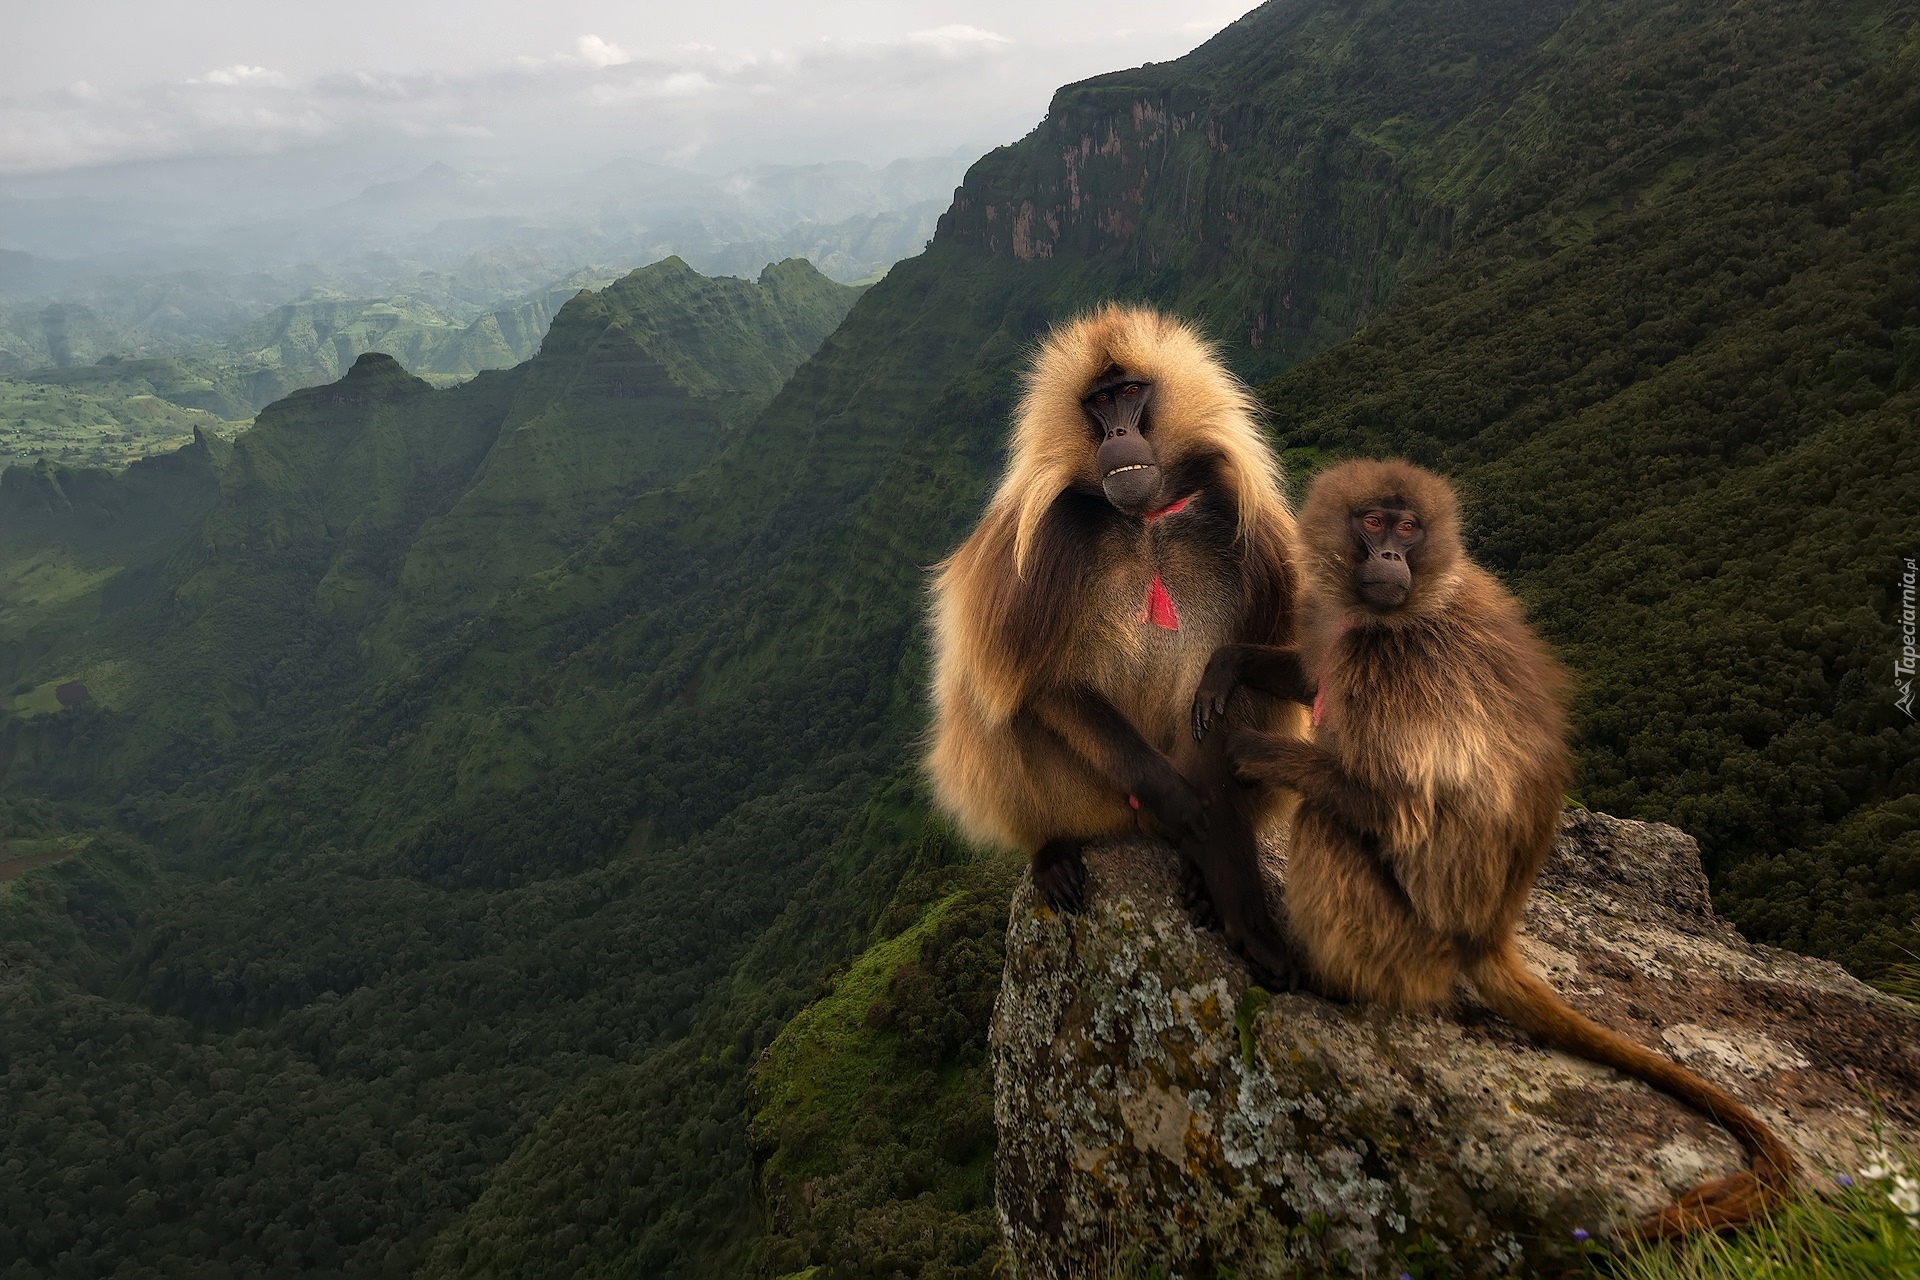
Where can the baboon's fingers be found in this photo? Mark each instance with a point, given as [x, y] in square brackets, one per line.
[1063, 888]
[1210, 700]
[1198, 901]
[1060, 876]
[1207, 706]
[1276, 971]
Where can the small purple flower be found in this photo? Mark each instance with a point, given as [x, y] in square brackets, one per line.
[1843, 1180]
[1580, 1234]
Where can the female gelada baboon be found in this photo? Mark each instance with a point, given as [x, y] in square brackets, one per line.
[1432, 790]
[1139, 526]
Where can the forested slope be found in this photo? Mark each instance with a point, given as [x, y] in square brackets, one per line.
[339, 1010]
[646, 764]
[1687, 438]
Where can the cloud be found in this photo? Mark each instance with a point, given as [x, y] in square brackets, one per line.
[922, 93]
[676, 84]
[596, 52]
[241, 74]
[220, 112]
[956, 35]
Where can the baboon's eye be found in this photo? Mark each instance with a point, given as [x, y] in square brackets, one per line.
[1406, 528]
[1373, 523]
[1102, 398]
[1131, 390]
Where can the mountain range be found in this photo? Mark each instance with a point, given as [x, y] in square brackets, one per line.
[108, 355]
[475, 830]
[166, 258]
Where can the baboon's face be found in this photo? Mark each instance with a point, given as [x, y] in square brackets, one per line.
[1387, 536]
[1124, 457]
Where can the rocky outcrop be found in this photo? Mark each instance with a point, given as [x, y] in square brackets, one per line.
[1151, 1104]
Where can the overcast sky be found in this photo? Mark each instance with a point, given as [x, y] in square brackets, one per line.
[708, 83]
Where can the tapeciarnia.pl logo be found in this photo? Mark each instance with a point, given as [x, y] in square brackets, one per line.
[1904, 664]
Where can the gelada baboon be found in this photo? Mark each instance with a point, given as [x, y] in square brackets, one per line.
[1139, 526]
[1432, 789]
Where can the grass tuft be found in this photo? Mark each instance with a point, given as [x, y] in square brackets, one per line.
[1865, 1226]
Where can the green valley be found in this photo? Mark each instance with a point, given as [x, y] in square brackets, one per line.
[78, 428]
[116, 410]
[497, 846]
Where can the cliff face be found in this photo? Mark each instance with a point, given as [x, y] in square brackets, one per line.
[1263, 180]
[1151, 1104]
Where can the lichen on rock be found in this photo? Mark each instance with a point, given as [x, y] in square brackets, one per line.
[1151, 1105]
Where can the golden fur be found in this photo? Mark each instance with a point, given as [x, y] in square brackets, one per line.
[1197, 399]
[1010, 630]
[1431, 796]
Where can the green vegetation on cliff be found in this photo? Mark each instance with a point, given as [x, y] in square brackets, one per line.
[340, 1006]
[1685, 418]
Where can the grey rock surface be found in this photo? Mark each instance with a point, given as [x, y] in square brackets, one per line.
[1153, 1106]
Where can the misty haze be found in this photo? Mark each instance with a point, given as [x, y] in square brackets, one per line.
[435, 181]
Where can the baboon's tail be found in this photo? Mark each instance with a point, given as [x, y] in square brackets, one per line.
[1504, 983]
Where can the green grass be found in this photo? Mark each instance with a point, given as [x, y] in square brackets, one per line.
[1864, 1228]
[1901, 980]
[832, 1055]
[43, 579]
[87, 429]
[40, 700]
[872, 1109]
[17, 856]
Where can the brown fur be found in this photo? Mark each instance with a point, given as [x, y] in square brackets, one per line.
[1039, 637]
[1431, 795]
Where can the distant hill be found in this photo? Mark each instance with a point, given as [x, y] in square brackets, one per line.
[109, 409]
[305, 344]
[168, 257]
[105, 420]
[491, 481]
[499, 813]
[449, 272]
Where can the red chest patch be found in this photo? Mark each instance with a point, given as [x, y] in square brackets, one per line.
[1160, 607]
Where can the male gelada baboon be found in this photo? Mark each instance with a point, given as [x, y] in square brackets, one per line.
[1432, 789]
[1139, 526]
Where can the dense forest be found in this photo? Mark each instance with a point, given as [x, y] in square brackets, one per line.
[488, 842]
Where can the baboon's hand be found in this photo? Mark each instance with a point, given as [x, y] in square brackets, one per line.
[1280, 975]
[1060, 877]
[1269, 758]
[1216, 686]
[1196, 896]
